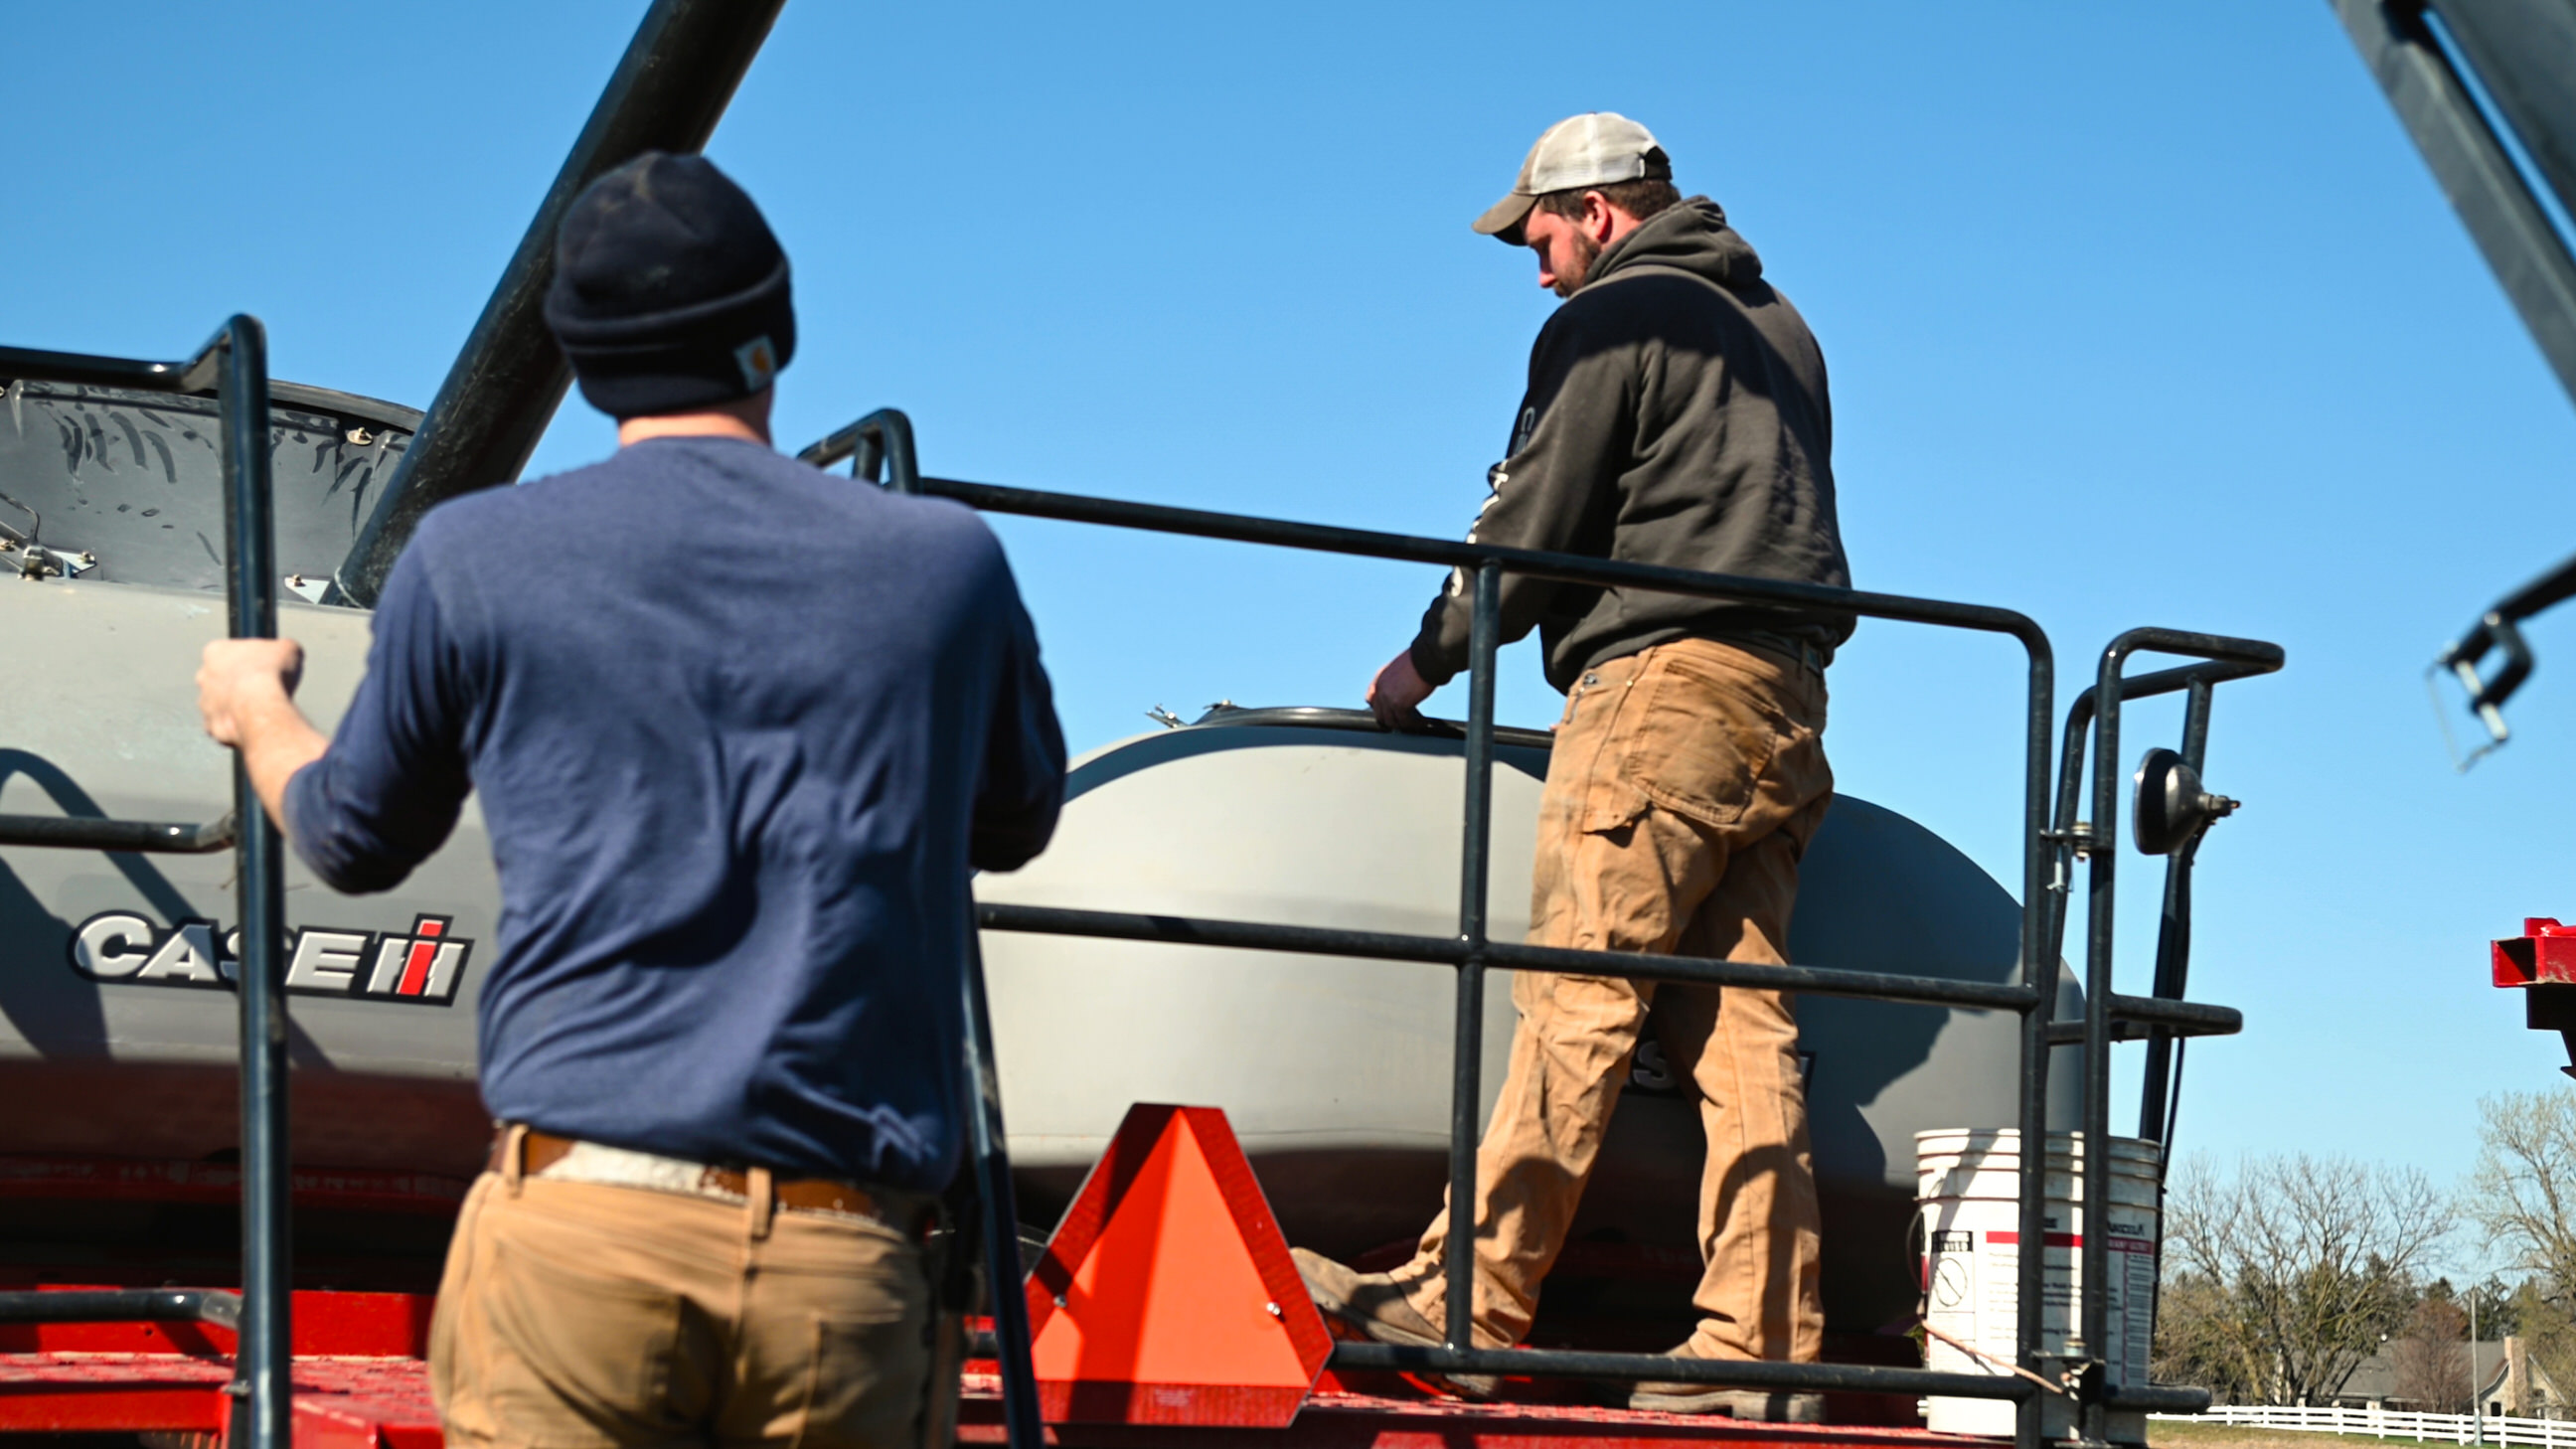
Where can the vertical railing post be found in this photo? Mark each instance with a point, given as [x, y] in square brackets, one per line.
[988, 1144]
[2056, 890]
[263, 1362]
[2038, 972]
[2093, 1250]
[1484, 640]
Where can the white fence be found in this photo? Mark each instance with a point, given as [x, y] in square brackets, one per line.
[2390, 1424]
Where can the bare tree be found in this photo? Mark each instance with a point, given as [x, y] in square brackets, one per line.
[2524, 1190]
[2285, 1276]
[2524, 1194]
[2199, 1339]
[2431, 1358]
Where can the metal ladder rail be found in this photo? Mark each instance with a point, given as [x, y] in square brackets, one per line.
[882, 441]
[234, 362]
[1471, 953]
[2109, 691]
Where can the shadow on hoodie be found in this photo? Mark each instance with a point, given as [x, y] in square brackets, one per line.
[1676, 415]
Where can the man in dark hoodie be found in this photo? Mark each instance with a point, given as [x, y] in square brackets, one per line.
[1676, 415]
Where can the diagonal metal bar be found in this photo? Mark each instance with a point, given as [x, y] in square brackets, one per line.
[670, 87]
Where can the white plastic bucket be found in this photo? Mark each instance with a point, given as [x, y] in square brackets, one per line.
[1968, 1192]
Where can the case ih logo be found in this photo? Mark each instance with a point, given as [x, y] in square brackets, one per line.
[424, 967]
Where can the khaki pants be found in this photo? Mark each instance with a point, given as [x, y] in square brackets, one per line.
[1684, 784]
[575, 1315]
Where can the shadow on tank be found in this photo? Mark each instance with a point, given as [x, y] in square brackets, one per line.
[1336, 1073]
[53, 1011]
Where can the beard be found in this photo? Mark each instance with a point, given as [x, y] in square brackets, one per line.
[1586, 250]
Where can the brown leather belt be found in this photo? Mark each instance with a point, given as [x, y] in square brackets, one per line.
[907, 1213]
[1801, 652]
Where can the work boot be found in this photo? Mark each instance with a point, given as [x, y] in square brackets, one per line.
[1769, 1406]
[1374, 1305]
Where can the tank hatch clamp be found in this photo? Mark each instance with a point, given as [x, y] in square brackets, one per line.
[233, 365]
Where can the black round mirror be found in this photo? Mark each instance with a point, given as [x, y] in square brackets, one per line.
[2171, 807]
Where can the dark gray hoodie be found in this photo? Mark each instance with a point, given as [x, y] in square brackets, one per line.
[1676, 415]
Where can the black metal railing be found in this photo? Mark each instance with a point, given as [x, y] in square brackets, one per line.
[139, 837]
[883, 439]
[234, 364]
[125, 1305]
[2046, 850]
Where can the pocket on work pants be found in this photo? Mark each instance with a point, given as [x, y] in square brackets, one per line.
[863, 1389]
[1702, 734]
[554, 1354]
[1613, 873]
[1726, 738]
[464, 1416]
[835, 1341]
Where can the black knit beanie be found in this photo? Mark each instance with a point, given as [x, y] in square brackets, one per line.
[669, 291]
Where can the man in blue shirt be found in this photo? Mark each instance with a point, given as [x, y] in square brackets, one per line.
[740, 731]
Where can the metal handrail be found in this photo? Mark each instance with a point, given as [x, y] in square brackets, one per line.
[2100, 879]
[234, 365]
[882, 442]
[882, 439]
[1407, 548]
[146, 837]
[1471, 953]
[1455, 951]
[124, 1305]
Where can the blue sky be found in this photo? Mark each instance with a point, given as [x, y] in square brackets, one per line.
[2134, 316]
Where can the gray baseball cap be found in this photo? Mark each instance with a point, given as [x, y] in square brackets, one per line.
[1597, 148]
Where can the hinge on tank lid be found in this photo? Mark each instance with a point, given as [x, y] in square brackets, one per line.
[35, 560]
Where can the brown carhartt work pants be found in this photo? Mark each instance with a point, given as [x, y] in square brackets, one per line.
[1684, 784]
[575, 1315]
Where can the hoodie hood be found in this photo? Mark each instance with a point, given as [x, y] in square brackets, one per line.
[1691, 236]
[1676, 416]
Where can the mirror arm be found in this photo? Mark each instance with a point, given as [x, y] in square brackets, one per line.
[2173, 975]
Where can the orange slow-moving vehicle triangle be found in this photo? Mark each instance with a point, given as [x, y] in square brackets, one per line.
[1167, 1295]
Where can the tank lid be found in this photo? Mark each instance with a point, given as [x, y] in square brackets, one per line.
[1312, 716]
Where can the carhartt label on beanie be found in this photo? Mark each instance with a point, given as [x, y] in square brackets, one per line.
[670, 293]
[758, 361]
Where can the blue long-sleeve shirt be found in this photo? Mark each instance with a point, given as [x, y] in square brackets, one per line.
[740, 729]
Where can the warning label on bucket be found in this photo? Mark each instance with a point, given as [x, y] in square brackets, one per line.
[1972, 1265]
